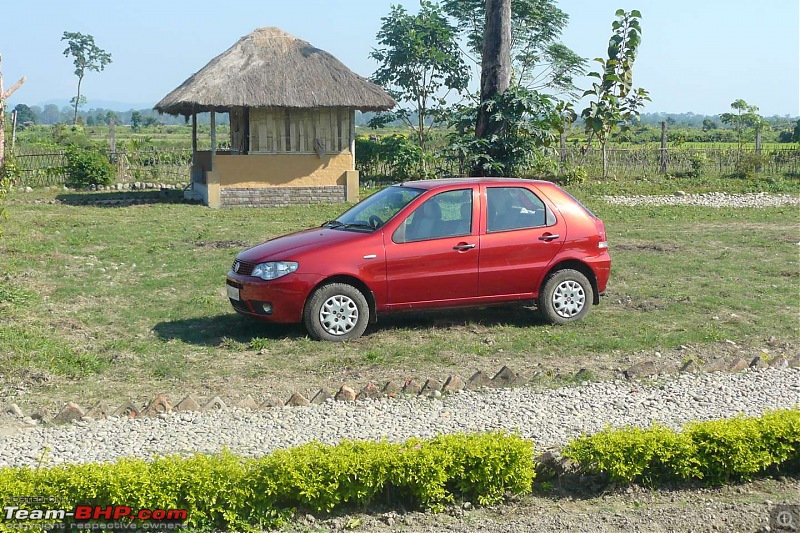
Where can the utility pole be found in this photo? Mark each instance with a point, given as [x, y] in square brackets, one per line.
[3, 97]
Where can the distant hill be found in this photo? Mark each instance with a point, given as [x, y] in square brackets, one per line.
[99, 104]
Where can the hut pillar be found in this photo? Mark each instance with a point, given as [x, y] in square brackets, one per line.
[351, 176]
[194, 139]
[212, 177]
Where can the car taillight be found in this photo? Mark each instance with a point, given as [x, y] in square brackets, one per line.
[601, 232]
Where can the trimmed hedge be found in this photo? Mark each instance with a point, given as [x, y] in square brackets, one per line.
[232, 492]
[715, 451]
[227, 491]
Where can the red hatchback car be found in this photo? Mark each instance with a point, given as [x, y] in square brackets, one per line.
[429, 244]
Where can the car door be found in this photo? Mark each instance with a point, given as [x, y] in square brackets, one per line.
[432, 256]
[520, 235]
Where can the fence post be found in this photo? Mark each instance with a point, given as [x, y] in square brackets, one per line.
[663, 147]
[112, 140]
[13, 129]
[563, 143]
[758, 151]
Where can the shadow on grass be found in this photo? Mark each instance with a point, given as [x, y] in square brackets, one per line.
[514, 315]
[124, 198]
[214, 330]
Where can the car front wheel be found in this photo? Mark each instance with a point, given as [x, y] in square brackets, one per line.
[566, 297]
[336, 312]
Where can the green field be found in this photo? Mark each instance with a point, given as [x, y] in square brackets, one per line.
[99, 302]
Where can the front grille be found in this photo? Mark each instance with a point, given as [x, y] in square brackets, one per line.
[245, 268]
[240, 305]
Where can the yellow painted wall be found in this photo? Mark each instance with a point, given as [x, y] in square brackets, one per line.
[282, 170]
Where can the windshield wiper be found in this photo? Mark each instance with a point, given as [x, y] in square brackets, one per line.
[332, 224]
[358, 225]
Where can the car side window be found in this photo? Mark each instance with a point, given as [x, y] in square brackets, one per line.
[447, 214]
[511, 208]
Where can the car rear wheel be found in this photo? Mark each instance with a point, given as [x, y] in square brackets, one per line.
[566, 297]
[336, 312]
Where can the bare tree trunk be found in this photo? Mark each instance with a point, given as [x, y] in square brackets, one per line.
[3, 97]
[605, 159]
[77, 102]
[495, 65]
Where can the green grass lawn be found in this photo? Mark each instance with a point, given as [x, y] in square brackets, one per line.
[110, 302]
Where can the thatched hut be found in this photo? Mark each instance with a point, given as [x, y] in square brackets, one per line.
[292, 116]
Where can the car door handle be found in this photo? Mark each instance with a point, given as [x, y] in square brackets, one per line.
[547, 237]
[463, 247]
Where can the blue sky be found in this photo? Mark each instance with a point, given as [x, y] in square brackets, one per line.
[696, 55]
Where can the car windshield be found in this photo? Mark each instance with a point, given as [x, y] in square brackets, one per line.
[375, 211]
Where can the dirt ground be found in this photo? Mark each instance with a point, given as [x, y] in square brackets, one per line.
[746, 507]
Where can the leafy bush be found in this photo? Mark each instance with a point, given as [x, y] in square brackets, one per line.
[229, 491]
[572, 176]
[86, 167]
[394, 156]
[9, 174]
[714, 451]
[698, 161]
[749, 164]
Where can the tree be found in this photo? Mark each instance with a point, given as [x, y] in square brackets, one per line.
[87, 56]
[615, 103]
[709, 124]
[744, 118]
[25, 114]
[495, 62]
[796, 132]
[523, 122]
[419, 64]
[136, 120]
[539, 60]
[50, 114]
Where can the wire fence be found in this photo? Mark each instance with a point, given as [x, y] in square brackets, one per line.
[39, 167]
[47, 166]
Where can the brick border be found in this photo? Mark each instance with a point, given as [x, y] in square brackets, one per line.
[281, 196]
[433, 388]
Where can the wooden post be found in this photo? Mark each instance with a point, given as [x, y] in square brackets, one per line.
[13, 129]
[194, 138]
[563, 144]
[213, 140]
[663, 147]
[112, 138]
[352, 134]
[3, 97]
[758, 151]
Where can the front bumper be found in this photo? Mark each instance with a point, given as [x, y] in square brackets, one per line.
[287, 296]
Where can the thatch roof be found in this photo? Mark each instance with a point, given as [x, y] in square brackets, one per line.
[270, 68]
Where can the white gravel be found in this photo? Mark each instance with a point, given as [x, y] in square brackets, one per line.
[549, 417]
[711, 199]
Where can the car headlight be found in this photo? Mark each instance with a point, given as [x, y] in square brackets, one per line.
[274, 269]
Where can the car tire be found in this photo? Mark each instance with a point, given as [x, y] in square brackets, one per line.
[565, 297]
[336, 312]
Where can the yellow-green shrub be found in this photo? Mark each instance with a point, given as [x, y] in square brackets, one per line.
[715, 451]
[229, 491]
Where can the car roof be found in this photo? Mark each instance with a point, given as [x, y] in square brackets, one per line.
[446, 182]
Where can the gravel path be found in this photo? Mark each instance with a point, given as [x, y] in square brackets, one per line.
[548, 417]
[711, 199]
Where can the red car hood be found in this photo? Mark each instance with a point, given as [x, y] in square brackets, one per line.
[288, 247]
